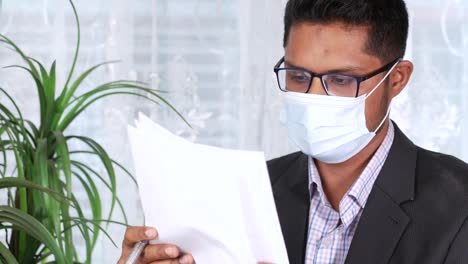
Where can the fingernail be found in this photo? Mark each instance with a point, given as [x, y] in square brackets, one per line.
[150, 233]
[185, 260]
[171, 252]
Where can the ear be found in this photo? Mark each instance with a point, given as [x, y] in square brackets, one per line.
[400, 77]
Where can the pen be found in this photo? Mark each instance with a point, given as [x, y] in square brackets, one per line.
[137, 249]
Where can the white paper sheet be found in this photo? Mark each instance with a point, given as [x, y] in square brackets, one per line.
[215, 203]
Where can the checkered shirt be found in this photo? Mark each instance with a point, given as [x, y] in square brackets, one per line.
[330, 232]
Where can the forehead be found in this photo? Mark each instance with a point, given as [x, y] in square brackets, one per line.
[320, 47]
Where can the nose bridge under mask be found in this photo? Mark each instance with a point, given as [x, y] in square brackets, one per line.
[340, 122]
[317, 87]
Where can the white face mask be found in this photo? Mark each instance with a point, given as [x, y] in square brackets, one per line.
[331, 129]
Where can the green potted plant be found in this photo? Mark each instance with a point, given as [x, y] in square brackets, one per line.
[37, 168]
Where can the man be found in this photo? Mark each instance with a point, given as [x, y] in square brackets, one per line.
[359, 191]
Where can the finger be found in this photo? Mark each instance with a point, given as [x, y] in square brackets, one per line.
[169, 261]
[185, 259]
[160, 252]
[135, 234]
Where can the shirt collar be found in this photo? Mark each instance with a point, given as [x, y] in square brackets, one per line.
[362, 187]
[360, 190]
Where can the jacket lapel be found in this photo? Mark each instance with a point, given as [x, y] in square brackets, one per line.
[292, 202]
[378, 232]
[383, 221]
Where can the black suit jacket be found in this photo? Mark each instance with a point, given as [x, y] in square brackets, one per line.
[417, 211]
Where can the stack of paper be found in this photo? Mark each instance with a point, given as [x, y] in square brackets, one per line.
[214, 203]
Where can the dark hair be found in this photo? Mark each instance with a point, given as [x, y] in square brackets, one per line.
[387, 21]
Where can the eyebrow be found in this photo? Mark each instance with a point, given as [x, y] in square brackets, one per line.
[346, 69]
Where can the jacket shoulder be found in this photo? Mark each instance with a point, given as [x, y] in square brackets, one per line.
[442, 181]
[278, 166]
[448, 171]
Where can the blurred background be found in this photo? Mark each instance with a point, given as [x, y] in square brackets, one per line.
[215, 60]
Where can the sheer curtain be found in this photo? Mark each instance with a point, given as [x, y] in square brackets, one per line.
[432, 110]
[215, 59]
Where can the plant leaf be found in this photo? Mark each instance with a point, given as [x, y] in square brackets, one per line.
[77, 49]
[13, 182]
[106, 161]
[24, 222]
[7, 255]
[86, 167]
[71, 91]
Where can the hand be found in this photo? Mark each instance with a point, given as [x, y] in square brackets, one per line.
[154, 254]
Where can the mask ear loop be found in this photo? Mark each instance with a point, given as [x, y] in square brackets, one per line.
[383, 79]
[390, 105]
[384, 119]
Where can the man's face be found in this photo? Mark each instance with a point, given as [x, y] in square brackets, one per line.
[323, 48]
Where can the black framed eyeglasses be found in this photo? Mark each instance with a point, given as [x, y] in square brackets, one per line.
[335, 84]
